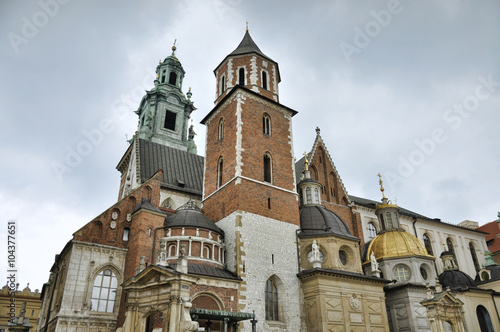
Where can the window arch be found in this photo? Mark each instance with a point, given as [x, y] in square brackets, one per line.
[172, 79]
[264, 80]
[221, 129]
[241, 76]
[206, 252]
[268, 176]
[308, 195]
[451, 248]
[266, 124]
[220, 166]
[484, 319]
[372, 230]
[427, 244]
[172, 250]
[271, 296]
[474, 257]
[104, 291]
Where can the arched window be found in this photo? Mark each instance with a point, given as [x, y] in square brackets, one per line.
[474, 257]
[316, 196]
[172, 250]
[372, 230]
[163, 76]
[126, 233]
[266, 124]
[308, 195]
[389, 220]
[271, 297]
[382, 221]
[221, 129]
[484, 319]
[428, 245]
[222, 84]
[264, 80]
[267, 168]
[220, 165]
[172, 79]
[241, 74]
[451, 248]
[206, 252]
[104, 291]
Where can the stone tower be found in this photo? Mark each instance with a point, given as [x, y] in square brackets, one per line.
[164, 110]
[249, 185]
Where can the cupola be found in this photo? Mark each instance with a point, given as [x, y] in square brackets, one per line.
[387, 212]
[170, 71]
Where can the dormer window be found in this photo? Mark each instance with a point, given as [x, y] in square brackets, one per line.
[241, 76]
[172, 79]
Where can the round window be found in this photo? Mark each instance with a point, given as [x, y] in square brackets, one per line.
[402, 273]
[423, 273]
[343, 257]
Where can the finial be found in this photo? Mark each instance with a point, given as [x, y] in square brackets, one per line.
[159, 62]
[189, 93]
[247, 25]
[381, 185]
[318, 130]
[173, 47]
[306, 161]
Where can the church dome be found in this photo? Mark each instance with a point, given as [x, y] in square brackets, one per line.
[189, 215]
[318, 220]
[455, 279]
[396, 243]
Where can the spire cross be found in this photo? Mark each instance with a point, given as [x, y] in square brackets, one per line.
[381, 184]
[306, 161]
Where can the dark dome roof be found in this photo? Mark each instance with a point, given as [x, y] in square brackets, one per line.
[189, 215]
[318, 220]
[455, 279]
[494, 272]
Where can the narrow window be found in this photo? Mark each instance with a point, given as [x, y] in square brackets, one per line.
[172, 79]
[170, 118]
[126, 233]
[149, 232]
[267, 168]
[264, 80]
[427, 244]
[484, 319]
[104, 292]
[266, 124]
[451, 248]
[242, 76]
[474, 257]
[222, 84]
[219, 172]
[308, 195]
[389, 220]
[271, 300]
[320, 160]
[221, 129]
[316, 195]
[163, 76]
[331, 191]
[269, 202]
[372, 231]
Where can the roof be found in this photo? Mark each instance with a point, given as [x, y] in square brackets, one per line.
[318, 220]
[211, 271]
[456, 279]
[182, 170]
[189, 215]
[395, 244]
[146, 205]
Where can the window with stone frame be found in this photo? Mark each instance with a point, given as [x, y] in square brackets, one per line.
[241, 76]
[266, 124]
[428, 245]
[372, 230]
[264, 80]
[271, 297]
[220, 166]
[104, 291]
[474, 257]
[170, 118]
[268, 177]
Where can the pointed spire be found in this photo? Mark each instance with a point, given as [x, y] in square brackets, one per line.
[247, 45]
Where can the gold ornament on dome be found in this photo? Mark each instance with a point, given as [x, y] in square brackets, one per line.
[396, 243]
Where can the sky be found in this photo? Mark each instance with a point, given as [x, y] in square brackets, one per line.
[410, 89]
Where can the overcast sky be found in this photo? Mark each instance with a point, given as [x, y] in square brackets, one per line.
[409, 89]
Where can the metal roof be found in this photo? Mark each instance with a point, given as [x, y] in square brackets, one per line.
[206, 270]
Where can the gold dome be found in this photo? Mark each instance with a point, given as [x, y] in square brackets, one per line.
[395, 243]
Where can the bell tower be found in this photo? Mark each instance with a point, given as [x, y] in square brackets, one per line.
[249, 184]
[164, 111]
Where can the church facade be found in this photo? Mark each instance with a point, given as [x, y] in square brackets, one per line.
[247, 238]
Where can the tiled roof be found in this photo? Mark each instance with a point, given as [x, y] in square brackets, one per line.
[211, 271]
[247, 45]
[146, 205]
[182, 170]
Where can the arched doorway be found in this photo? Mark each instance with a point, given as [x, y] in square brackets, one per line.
[154, 321]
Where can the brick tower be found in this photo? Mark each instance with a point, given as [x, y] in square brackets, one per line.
[249, 184]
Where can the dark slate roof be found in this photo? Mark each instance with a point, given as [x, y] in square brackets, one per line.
[182, 170]
[318, 220]
[190, 216]
[456, 279]
[211, 271]
[494, 271]
[146, 205]
[246, 46]
[370, 203]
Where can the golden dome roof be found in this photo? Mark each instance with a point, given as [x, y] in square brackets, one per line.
[395, 243]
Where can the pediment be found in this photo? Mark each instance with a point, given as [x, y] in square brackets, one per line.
[151, 276]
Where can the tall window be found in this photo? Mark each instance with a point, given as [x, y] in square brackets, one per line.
[474, 257]
[267, 168]
[271, 300]
[372, 230]
[172, 79]
[241, 74]
[163, 76]
[170, 118]
[389, 220]
[427, 244]
[264, 80]
[316, 195]
[484, 319]
[222, 84]
[451, 248]
[266, 124]
[308, 195]
[220, 165]
[104, 291]
[126, 233]
[221, 129]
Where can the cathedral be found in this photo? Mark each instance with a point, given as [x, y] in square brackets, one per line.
[251, 238]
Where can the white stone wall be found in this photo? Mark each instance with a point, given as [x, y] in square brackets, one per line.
[262, 239]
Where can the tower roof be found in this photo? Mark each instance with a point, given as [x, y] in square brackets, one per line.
[247, 45]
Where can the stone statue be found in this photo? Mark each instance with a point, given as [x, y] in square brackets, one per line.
[315, 252]
[191, 134]
[374, 262]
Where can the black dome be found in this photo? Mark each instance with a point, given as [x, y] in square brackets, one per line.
[455, 279]
[318, 220]
[494, 272]
[189, 215]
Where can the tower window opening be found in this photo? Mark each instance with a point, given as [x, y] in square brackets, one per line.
[221, 129]
[331, 191]
[241, 74]
[269, 202]
[222, 84]
[264, 80]
[172, 79]
[164, 73]
[266, 124]
[272, 258]
[220, 166]
[267, 168]
[170, 118]
[126, 234]
[389, 220]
